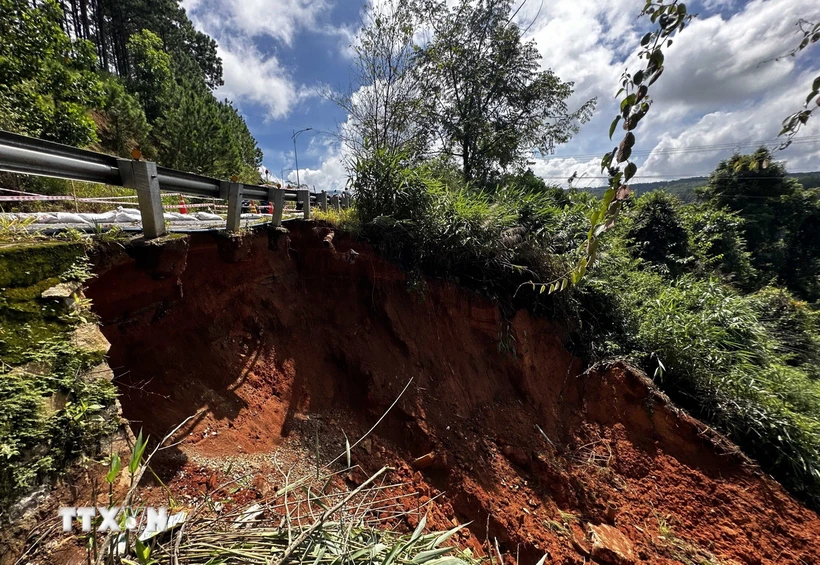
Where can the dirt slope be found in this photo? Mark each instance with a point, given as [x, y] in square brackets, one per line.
[274, 339]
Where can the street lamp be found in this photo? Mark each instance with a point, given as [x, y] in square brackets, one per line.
[295, 156]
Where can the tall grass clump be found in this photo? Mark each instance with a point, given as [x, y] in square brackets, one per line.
[490, 239]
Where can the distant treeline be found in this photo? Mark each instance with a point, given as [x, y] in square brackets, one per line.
[685, 188]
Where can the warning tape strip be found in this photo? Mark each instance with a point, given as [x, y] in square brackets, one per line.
[29, 198]
[195, 206]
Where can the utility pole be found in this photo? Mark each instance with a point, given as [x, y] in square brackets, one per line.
[295, 156]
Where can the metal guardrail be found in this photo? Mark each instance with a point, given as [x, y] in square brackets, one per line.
[30, 156]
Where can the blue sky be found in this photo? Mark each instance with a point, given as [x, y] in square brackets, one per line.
[714, 98]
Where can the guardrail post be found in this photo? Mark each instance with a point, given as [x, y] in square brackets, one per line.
[277, 196]
[234, 206]
[142, 177]
[334, 202]
[323, 200]
[305, 194]
[345, 200]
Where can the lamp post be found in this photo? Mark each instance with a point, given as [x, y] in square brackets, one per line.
[295, 156]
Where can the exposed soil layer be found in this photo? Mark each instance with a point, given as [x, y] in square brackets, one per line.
[269, 339]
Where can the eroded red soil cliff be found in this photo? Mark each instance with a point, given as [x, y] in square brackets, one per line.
[274, 339]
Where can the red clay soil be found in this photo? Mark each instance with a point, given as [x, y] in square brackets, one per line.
[262, 339]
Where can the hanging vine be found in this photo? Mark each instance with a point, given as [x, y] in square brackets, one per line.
[670, 17]
[793, 123]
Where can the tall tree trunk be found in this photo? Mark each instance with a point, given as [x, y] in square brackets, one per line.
[84, 19]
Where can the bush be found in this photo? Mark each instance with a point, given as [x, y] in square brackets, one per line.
[716, 238]
[492, 240]
[657, 233]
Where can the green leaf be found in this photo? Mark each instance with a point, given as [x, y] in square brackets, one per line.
[630, 171]
[142, 551]
[347, 449]
[425, 556]
[628, 101]
[449, 533]
[449, 560]
[612, 127]
[646, 39]
[114, 468]
[136, 454]
[419, 529]
[656, 76]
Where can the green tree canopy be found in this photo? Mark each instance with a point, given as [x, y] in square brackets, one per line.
[658, 234]
[780, 219]
[485, 99]
[47, 81]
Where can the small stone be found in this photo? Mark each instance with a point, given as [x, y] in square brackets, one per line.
[54, 402]
[66, 293]
[90, 339]
[610, 546]
[424, 461]
[100, 371]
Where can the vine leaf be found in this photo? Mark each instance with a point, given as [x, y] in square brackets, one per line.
[613, 126]
[630, 171]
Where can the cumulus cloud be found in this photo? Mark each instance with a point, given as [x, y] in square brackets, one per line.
[251, 76]
[718, 89]
[278, 19]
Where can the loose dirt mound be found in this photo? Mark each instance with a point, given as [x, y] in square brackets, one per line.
[274, 340]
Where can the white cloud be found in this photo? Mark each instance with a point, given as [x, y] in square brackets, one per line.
[278, 19]
[251, 76]
[677, 154]
[714, 91]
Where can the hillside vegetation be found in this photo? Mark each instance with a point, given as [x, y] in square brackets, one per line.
[117, 76]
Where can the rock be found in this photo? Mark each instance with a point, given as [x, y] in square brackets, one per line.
[89, 338]
[101, 371]
[54, 402]
[367, 445]
[516, 454]
[610, 546]
[64, 293]
[425, 460]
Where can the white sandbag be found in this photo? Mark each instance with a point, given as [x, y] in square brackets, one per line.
[177, 217]
[99, 218]
[208, 217]
[62, 218]
[128, 215]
